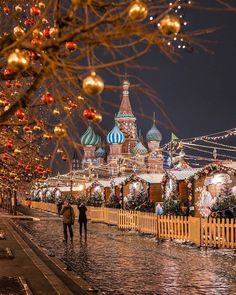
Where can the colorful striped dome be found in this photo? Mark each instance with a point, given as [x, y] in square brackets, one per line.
[115, 136]
[89, 137]
[154, 134]
[140, 149]
[100, 152]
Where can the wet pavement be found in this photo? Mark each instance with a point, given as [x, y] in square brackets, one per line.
[119, 262]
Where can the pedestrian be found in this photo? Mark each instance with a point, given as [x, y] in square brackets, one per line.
[82, 219]
[59, 206]
[68, 220]
[159, 209]
[29, 203]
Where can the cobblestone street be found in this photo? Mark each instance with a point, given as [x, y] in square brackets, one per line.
[118, 262]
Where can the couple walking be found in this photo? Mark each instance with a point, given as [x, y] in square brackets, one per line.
[69, 217]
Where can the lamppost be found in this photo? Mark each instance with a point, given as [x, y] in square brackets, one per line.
[71, 182]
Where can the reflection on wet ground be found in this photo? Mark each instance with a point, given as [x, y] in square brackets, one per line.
[120, 262]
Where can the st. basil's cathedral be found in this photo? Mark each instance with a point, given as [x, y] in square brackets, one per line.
[127, 151]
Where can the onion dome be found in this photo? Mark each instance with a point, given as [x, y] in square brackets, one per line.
[115, 136]
[100, 152]
[140, 149]
[89, 137]
[154, 134]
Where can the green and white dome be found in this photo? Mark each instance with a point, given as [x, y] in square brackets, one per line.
[89, 137]
[154, 134]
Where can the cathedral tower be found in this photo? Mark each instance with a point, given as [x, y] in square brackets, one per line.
[126, 121]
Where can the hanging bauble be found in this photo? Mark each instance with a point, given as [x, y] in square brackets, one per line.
[20, 114]
[6, 108]
[71, 46]
[59, 130]
[21, 164]
[37, 128]
[6, 9]
[42, 5]
[60, 151]
[35, 11]
[5, 156]
[97, 118]
[17, 151]
[72, 104]
[53, 32]
[64, 158]
[67, 109]
[89, 113]
[81, 99]
[8, 72]
[36, 42]
[46, 33]
[37, 34]
[18, 32]
[81, 2]
[44, 21]
[18, 84]
[47, 99]
[9, 144]
[56, 112]
[93, 84]
[138, 11]
[27, 129]
[35, 56]
[29, 22]
[27, 168]
[170, 25]
[47, 136]
[18, 8]
[8, 84]
[18, 60]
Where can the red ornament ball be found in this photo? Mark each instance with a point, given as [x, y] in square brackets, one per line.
[89, 113]
[47, 99]
[20, 114]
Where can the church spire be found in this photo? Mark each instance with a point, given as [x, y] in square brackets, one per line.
[125, 106]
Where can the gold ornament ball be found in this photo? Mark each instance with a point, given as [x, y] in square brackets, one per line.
[18, 61]
[81, 99]
[97, 118]
[60, 151]
[42, 5]
[18, 8]
[170, 25]
[53, 32]
[56, 112]
[67, 109]
[59, 130]
[138, 11]
[36, 128]
[18, 32]
[17, 151]
[93, 84]
[37, 34]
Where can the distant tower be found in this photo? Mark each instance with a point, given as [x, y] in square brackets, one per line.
[126, 121]
[75, 161]
[89, 140]
[155, 159]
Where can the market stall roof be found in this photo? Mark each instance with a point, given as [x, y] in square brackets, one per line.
[230, 165]
[119, 180]
[183, 174]
[152, 177]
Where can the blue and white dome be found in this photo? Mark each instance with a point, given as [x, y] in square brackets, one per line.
[89, 137]
[115, 136]
[100, 152]
[140, 149]
[154, 134]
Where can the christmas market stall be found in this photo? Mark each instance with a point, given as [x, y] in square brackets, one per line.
[175, 193]
[213, 189]
[97, 192]
[141, 192]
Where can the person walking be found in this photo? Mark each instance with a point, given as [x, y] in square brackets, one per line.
[68, 220]
[82, 219]
[59, 207]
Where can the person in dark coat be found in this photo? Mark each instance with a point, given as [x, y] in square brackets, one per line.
[59, 207]
[82, 219]
[68, 220]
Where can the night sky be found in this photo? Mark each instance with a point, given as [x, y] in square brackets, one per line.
[199, 90]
